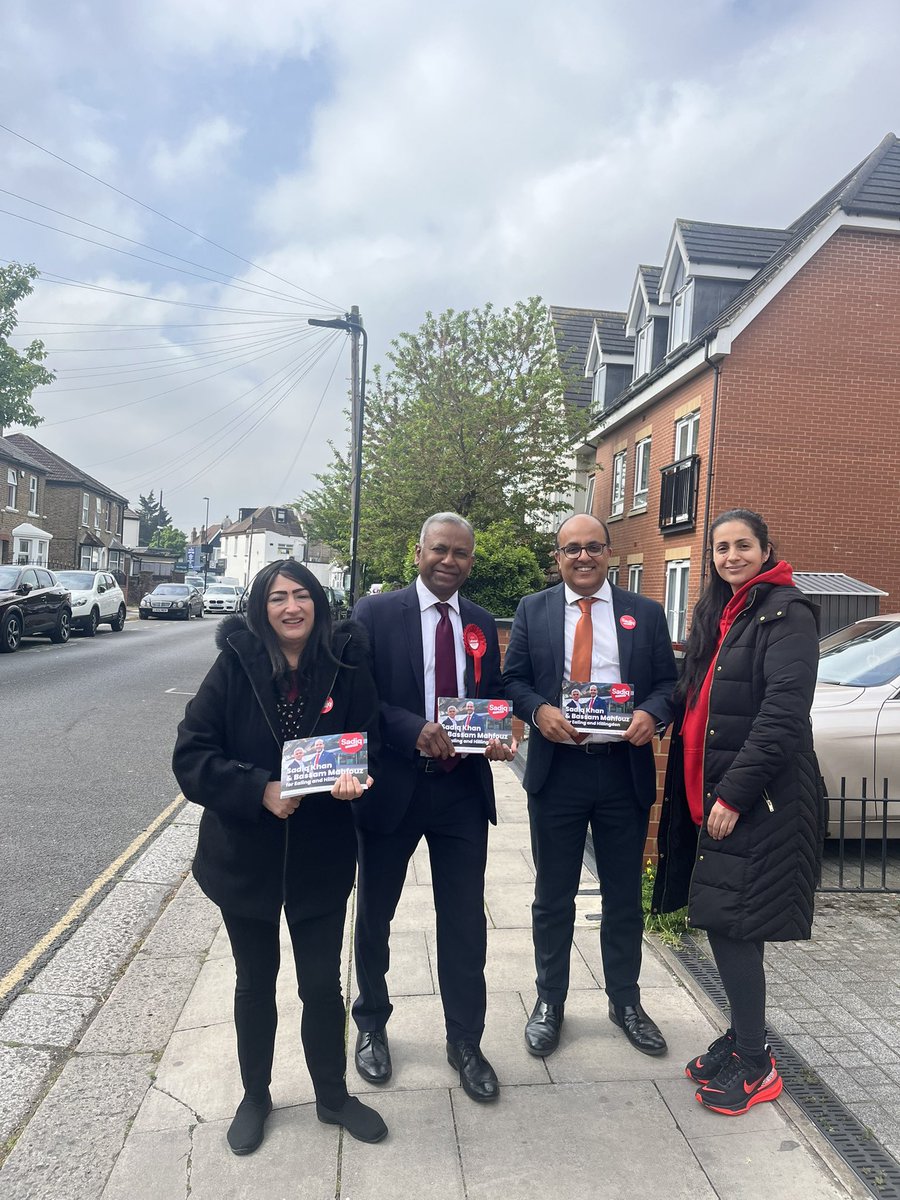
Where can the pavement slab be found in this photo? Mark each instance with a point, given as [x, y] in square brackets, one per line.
[768, 1163]
[168, 857]
[151, 1166]
[23, 1074]
[141, 1012]
[45, 1020]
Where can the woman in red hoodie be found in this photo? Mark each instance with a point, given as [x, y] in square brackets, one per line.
[741, 829]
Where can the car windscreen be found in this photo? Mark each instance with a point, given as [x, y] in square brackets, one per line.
[220, 591]
[171, 589]
[81, 580]
[9, 577]
[866, 655]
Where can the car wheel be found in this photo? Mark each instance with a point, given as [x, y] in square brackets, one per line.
[201, 614]
[117, 624]
[90, 629]
[10, 633]
[60, 634]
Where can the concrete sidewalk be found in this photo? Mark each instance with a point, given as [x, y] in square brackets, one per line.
[141, 1107]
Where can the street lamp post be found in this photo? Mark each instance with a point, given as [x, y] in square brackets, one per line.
[352, 323]
[204, 546]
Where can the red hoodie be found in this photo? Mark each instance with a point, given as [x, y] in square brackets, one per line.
[693, 728]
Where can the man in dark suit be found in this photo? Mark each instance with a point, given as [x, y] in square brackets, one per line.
[424, 789]
[586, 629]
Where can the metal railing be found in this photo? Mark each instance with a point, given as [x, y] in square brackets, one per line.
[679, 483]
[854, 824]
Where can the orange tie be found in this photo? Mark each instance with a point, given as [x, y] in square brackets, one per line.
[583, 645]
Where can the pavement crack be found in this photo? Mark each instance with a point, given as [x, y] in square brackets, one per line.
[198, 1120]
[462, 1170]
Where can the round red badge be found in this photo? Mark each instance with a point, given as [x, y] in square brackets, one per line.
[498, 709]
[620, 692]
[627, 621]
[351, 743]
[328, 705]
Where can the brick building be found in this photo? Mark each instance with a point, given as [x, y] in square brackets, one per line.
[23, 480]
[83, 515]
[765, 373]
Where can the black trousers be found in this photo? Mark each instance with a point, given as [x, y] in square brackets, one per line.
[447, 809]
[596, 792]
[742, 971]
[317, 958]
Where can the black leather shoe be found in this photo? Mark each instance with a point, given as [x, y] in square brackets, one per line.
[360, 1121]
[476, 1075]
[542, 1029]
[643, 1033]
[247, 1129]
[373, 1058]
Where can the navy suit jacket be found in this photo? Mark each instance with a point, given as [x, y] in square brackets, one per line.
[394, 624]
[535, 660]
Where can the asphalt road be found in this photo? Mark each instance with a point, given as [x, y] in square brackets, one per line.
[86, 736]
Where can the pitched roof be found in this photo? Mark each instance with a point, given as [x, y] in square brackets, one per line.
[650, 277]
[10, 451]
[573, 329]
[264, 518]
[730, 245]
[610, 327]
[60, 470]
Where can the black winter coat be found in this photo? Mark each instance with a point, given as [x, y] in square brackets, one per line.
[249, 861]
[758, 883]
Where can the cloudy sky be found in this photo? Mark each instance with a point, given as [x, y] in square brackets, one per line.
[291, 158]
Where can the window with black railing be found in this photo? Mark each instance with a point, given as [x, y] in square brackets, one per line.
[678, 494]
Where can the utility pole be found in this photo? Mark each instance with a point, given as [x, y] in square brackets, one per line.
[204, 546]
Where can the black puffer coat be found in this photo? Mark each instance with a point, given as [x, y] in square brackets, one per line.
[758, 883]
[249, 861]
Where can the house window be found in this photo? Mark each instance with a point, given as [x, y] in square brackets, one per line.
[617, 502]
[680, 322]
[285, 551]
[12, 487]
[86, 563]
[281, 515]
[32, 496]
[109, 516]
[589, 494]
[677, 574]
[23, 551]
[115, 560]
[687, 433]
[598, 390]
[641, 473]
[635, 576]
[643, 348]
[85, 508]
[613, 576]
[96, 512]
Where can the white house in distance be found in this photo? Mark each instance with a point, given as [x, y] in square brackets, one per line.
[260, 536]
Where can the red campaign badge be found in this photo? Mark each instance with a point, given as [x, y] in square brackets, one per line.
[476, 647]
[351, 743]
[498, 709]
[627, 621]
[328, 705]
[620, 692]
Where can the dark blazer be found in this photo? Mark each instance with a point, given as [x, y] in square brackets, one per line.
[759, 882]
[249, 861]
[535, 660]
[394, 625]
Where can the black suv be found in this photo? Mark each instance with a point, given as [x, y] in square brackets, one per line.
[32, 601]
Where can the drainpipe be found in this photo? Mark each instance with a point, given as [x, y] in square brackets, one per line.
[709, 464]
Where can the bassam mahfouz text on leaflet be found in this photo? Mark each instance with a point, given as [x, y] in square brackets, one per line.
[314, 764]
[589, 707]
[471, 724]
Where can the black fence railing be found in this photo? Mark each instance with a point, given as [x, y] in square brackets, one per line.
[678, 494]
[862, 850]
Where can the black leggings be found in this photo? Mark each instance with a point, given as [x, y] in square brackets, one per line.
[743, 976]
[317, 959]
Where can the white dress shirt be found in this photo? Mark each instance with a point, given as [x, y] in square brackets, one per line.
[430, 616]
[605, 648]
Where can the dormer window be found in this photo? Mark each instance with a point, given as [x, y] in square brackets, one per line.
[682, 312]
[643, 351]
[598, 390]
[281, 516]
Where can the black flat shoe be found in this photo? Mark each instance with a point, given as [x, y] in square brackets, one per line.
[360, 1121]
[643, 1033]
[542, 1029]
[247, 1129]
[476, 1075]
[372, 1057]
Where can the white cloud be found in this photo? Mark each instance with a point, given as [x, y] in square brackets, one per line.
[202, 153]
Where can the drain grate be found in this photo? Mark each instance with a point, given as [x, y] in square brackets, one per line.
[856, 1145]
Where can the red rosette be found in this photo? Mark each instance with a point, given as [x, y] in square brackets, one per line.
[476, 647]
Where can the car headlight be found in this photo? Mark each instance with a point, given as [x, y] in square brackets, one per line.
[78, 603]
[145, 603]
[178, 604]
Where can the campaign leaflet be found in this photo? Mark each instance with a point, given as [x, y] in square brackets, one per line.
[471, 724]
[313, 764]
[598, 706]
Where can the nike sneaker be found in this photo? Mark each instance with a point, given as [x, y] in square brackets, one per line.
[739, 1085]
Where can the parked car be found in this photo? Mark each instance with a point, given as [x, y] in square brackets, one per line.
[96, 600]
[856, 722]
[223, 597]
[337, 602]
[32, 603]
[171, 600]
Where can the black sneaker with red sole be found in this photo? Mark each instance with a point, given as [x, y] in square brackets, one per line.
[707, 1066]
[739, 1085]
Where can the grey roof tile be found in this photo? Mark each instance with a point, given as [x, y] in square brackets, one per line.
[651, 277]
[730, 245]
[611, 334]
[572, 329]
[13, 453]
[60, 470]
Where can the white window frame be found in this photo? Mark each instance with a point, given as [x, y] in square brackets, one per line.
[33, 496]
[589, 494]
[687, 435]
[680, 318]
[643, 350]
[23, 551]
[617, 495]
[86, 564]
[598, 389]
[613, 576]
[85, 510]
[678, 575]
[97, 509]
[635, 577]
[641, 472]
[12, 488]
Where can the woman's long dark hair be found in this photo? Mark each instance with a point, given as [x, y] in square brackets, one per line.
[318, 646]
[704, 635]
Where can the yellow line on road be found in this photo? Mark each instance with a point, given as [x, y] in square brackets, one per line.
[9, 981]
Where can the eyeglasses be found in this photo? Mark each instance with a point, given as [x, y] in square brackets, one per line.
[594, 549]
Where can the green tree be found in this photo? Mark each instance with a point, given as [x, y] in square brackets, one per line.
[21, 371]
[168, 538]
[468, 416]
[153, 516]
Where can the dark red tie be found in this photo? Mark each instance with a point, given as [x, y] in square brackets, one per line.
[445, 680]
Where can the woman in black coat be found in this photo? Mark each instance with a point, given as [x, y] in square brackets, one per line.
[741, 829]
[284, 673]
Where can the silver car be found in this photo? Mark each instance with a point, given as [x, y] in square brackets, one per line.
[856, 722]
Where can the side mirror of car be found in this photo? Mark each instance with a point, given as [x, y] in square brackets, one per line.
[23, 589]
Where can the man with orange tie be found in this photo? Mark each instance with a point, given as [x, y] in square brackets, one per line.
[586, 630]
